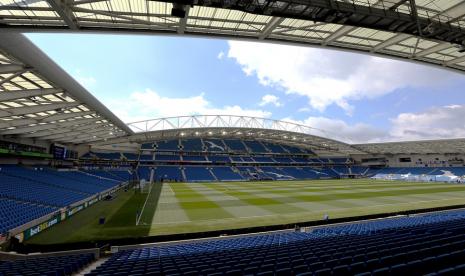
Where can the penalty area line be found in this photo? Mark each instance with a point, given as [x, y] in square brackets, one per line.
[145, 203]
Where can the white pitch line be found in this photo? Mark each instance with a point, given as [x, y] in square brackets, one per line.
[143, 206]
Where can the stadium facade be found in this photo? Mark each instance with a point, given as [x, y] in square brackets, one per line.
[62, 151]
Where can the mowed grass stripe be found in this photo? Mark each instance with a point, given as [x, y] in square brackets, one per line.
[338, 187]
[374, 194]
[353, 190]
[202, 209]
[269, 204]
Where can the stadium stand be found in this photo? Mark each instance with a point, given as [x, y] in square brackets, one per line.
[171, 145]
[30, 193]
[226, 174]
[194, 174]
[15, 213]
[146, 157]
[194, 158]
[192, 145]
[148, 146]
[235, 145]
[168, 172]
[214, 145]
[255, 146]
[166, 157]
[219, 158]
[418, 245]
[53, 265]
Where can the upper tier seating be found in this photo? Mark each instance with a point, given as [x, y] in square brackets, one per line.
[275, 148]
[168, 145]
[235, 145]
[300, 159]
[192, 145]
[294, 150]
[55, 265]
[213, 145]
[419, 245]
[147, 146]
[255, 146]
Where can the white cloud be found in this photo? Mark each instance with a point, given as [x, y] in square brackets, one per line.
[86, 81]
[342, 131]
[270, 99]
[304, 109]
[149, 104]
[220, 55]
[330, 77]
[434, 123]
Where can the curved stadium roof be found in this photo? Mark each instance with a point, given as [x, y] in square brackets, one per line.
[429, 31]
[38, 100]
[232, 126]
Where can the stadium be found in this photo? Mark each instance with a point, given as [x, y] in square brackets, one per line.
[83, 192]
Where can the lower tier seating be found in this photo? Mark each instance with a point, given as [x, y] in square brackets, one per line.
[56, 265]
[427, 244]
[28, 193]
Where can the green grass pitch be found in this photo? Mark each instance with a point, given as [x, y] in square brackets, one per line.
[197, 207]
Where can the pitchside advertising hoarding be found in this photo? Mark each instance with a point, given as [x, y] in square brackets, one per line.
[63, 215]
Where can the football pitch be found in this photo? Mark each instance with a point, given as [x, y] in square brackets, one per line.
[174, 208]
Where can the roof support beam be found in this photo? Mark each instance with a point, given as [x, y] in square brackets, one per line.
[10, 68]
[18, 111]
[21, 49]
[14, 123]
[65, 116]
[183, 21]
[14, 95]
[270, 26]
[77, 132]
[128, 18]
[391, 41]
[56, 133]
[9, 78]
[434, 49]
[62, 7]
[453, 13]
[48, 127]
[455, 61]
[342, 31]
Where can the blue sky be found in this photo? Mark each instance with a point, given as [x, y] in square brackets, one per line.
[358, 98]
